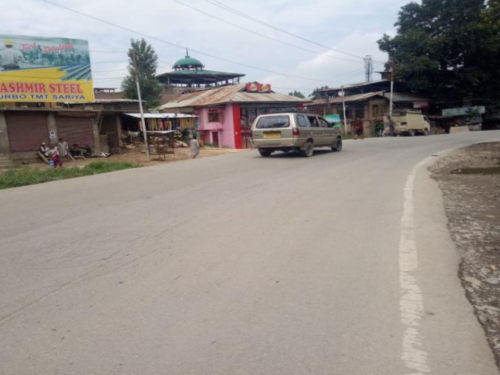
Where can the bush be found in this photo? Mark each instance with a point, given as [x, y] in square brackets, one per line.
[27, 176]
[104, 167]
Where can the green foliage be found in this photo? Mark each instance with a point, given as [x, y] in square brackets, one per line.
[316, 92]
[448, 48]
[147, 63]
[28, 176]
[297, 94]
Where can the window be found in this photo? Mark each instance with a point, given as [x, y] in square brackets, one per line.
[302, 121]
[323, 123]
[375, 111]
[313, 121]
[270, 122]
[214, 115]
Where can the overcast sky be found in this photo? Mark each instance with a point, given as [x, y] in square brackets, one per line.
[350, 26]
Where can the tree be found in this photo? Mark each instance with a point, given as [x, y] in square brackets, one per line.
[316, 92]
[147, 62]
[448, 48]
[297, 94]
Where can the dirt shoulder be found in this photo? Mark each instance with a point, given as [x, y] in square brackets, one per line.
[136, 156]
[470, 181]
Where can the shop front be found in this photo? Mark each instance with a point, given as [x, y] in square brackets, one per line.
[162, 121]
[226, 114]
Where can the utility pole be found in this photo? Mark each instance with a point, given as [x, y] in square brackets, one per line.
[342, 94]
[143, 120]
[328, 105]
[392, 86]
[368, 68]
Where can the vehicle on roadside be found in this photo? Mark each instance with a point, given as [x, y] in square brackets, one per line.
[297, 132]
[410, 123]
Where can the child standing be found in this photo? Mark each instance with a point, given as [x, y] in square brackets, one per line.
[56, 157]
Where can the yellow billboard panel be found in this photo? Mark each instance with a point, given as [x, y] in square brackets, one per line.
[35, 69]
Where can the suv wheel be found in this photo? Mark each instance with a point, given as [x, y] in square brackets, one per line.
[265, 153]
[308, 150]
[338, 145]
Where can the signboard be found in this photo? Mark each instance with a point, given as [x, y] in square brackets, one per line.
[36, 69]
[333, 119]
[464, 111]
[258, 87]
[420, 105]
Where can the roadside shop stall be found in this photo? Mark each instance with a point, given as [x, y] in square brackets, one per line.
[184, 123]
[162, 143]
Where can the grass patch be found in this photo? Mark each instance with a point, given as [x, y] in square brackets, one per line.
[27, 176]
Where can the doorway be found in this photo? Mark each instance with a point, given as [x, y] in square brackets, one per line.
[215, 136]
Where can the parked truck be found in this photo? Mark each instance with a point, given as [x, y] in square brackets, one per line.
[410, 123]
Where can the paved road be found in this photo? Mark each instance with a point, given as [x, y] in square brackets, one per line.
[338, 264]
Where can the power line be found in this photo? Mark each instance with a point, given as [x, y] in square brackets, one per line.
[254, 19]
[94, 51]
[177, 45]
[345, 75]
[107, 78]
[262, 35]
[107, 71]
[107, 62]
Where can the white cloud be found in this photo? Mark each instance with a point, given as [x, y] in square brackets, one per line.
[352, 26]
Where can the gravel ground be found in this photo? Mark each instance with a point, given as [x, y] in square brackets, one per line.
[470, 181]
[135, 156]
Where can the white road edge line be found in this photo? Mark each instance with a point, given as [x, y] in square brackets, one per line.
[411, 304]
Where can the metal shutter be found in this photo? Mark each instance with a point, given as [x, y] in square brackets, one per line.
[27, 131]
[78, 130]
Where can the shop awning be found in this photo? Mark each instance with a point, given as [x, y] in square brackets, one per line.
[161, 131]
[161, 115]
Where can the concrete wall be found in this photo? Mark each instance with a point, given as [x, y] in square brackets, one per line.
[111, 128]
[51, 123]
[4, 137]
[228, 128]
[224, 128]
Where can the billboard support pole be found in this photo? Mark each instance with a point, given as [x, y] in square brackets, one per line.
[143, 120]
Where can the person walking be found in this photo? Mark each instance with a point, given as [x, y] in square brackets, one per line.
[359, 129]
[63, 149]
[195, 147]
[392, 126]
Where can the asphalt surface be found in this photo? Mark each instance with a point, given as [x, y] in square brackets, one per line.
[240, 264]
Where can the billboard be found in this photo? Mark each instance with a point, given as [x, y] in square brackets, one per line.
[258, 87]
[464, 111]
[36, 69]
[333, 120]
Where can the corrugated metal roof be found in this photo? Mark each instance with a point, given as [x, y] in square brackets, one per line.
[347, 99]
[407, 97]
[107, 101]
[254, 97]
[161, 115]
[228, 94]
[354, 85]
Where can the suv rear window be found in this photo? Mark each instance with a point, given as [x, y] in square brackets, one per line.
[271, 122]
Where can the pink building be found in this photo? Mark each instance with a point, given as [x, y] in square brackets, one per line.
[227, 113]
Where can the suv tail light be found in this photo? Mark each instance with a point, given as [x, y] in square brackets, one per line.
[296, 132]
